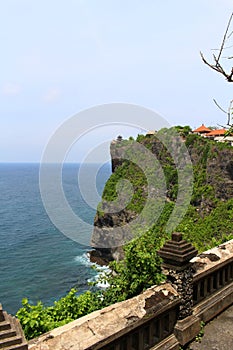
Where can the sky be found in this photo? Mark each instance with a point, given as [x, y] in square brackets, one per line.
[61, 57]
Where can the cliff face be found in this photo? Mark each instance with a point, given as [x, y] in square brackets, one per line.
[220, 173]
[212, 165]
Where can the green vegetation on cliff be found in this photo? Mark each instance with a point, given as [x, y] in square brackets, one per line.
[207, 222]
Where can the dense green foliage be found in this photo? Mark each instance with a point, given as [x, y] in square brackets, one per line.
[134, 174]
[139, 270]
[38, 319]
[210, 230]
[208, 222]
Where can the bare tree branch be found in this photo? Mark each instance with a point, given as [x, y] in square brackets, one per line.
[217, 65]
[220, 107]
[229, 113]
[225, 48]
[224, 38]
[230, 35]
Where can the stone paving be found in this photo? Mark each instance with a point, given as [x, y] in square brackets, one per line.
[218, 334]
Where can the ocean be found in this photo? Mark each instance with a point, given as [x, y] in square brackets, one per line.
[36, 260]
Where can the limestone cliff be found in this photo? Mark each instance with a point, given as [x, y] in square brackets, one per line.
[212, 165]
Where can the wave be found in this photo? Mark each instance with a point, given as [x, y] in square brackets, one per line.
[100, 270]
[83, 260]
[97, 278]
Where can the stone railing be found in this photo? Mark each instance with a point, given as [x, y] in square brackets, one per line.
[163, 317]
[213, 281]
[215, 275]
[136, 323]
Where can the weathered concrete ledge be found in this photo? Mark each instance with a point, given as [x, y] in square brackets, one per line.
[101, 327]
[169, 343]
[213, 259]
[186, 329]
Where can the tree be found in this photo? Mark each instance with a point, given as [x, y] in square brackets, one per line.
[219, 67]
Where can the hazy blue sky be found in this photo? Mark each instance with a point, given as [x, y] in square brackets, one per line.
[59, 57]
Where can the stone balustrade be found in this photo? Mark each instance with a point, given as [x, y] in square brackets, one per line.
[167, 316]
[214, 270]
[137, 323]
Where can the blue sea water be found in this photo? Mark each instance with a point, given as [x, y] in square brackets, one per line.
[36, 260]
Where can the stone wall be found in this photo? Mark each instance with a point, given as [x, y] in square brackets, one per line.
[154, 313]
[99, 328]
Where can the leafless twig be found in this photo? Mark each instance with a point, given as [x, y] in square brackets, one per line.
[220, 107]
[230, 108]
[217, 65]
[225, 48]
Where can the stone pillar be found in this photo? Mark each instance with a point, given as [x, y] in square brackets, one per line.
[176, 255]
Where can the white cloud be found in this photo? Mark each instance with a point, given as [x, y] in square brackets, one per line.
[11, 89]
[52, 95]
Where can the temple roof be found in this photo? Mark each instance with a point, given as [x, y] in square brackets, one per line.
[218, 132]
[202, 129]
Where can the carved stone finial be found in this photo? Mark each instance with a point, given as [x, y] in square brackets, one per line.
[177, 253]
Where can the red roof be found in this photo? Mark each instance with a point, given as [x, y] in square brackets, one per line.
[219, 132]
[202, 129]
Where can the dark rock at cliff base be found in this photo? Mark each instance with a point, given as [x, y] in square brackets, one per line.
[103, 256]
